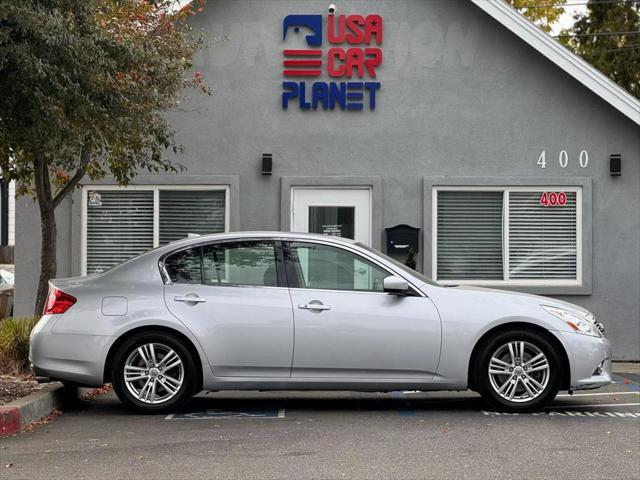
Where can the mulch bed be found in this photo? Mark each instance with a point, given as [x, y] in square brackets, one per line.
[12, 388]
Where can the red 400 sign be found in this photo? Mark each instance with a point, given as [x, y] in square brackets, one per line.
[553, 199]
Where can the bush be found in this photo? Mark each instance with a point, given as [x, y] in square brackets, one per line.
[14, 345]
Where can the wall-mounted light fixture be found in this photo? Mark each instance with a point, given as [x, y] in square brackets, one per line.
[267, 163]
[615, 164]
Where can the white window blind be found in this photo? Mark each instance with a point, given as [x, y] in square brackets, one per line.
[470, 235]
[119, 226]
[508, 235]
[542, 240]
[123, 222]
[190, 211]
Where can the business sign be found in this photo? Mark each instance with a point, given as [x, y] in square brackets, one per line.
[349, 57]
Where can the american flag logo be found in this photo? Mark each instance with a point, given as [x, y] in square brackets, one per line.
[303, 62]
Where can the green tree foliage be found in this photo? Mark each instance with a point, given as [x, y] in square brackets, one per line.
[83, 88]
[544, 13]
[617, 55]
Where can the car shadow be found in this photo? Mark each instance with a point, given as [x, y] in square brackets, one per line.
[320, 402]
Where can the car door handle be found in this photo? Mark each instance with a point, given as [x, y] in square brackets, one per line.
[187, 299]
[314, 306]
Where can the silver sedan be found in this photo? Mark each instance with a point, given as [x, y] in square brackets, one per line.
[286, 311]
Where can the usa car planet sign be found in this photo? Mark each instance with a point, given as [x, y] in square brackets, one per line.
[350, 56]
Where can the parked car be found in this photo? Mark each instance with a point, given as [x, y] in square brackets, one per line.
[7, 276]
[287, 311]
[7, 280]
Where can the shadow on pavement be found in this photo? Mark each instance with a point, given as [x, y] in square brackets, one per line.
[343, 402]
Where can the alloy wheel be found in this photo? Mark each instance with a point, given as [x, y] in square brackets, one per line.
[153, 373]
[519, 371]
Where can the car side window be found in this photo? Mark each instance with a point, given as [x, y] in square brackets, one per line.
[247, 263]
[185, 266]
[330, 268]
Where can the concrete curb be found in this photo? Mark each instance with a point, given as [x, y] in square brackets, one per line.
[626, 367]
[16, 415]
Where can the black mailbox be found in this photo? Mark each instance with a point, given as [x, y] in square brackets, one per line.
[401, 239]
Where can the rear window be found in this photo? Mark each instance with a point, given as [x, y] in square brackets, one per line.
[185, 266]
[244, 263]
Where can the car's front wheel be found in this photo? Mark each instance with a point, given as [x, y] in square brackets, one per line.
[153, 373]
[518, 370]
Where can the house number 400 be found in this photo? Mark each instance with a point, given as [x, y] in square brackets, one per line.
[563, 159]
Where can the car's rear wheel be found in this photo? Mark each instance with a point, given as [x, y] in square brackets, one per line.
[153, 373]
[518, 370]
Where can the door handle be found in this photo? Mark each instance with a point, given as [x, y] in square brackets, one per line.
[314, 306]
[188, 299]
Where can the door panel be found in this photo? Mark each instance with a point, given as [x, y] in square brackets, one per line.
[228, 295]
[364, 335]
[346, 326]
[244, 331]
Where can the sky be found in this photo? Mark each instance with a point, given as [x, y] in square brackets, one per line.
[567, 19]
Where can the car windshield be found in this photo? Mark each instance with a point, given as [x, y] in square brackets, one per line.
[403, 267]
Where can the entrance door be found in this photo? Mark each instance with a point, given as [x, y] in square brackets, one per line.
[339, 212]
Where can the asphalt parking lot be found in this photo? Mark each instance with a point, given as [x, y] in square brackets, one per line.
[591, 435]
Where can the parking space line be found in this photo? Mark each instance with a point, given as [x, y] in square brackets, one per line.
[635, 404]
[599, 394]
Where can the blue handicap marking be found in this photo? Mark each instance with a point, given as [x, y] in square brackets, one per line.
[628, 381]
[405, 410]
[216, 413]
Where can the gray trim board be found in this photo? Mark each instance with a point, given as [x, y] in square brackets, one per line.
[587, 223]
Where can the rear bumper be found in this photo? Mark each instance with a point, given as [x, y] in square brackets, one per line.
[589, 358]
[68, 357]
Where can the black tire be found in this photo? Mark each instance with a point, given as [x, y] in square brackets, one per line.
[484, 384]
[180, 398]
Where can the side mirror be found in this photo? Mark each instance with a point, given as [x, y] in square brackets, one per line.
[395, 285]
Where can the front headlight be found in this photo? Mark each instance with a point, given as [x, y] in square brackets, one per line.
[578, 322]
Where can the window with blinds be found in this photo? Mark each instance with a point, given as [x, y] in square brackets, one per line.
[470, 235]
[122, 223]
[190, 211]
[119, 226]
[507, 235]
[542, 240]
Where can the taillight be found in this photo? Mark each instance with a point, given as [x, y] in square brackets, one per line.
[58, 302]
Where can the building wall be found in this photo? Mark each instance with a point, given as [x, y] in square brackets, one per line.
[461, 97]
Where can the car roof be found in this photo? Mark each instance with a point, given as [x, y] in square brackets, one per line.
[260, 234]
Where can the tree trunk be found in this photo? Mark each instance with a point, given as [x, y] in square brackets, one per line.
[47, 204]
[48, 232]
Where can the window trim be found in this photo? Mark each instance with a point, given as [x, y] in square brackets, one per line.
[506, 189]
[156, 209]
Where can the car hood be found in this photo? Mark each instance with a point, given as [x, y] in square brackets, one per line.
[537, 299]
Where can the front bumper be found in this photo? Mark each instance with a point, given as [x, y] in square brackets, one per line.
[589, 360]
[68, 357]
